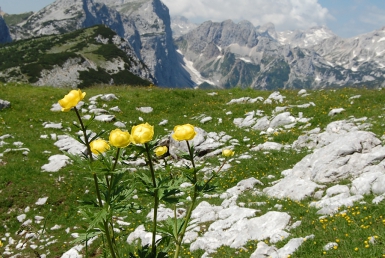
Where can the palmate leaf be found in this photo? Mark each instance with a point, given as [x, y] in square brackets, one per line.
[168, 196]
[168, 189]
[170, 229]
[203, 187]
[96, 219]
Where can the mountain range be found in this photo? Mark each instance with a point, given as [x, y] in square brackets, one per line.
[218, 54]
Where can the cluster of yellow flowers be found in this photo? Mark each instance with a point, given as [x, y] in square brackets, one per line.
[140, 134]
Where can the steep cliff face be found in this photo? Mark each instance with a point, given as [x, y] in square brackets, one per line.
[156, 48]
[5, 36]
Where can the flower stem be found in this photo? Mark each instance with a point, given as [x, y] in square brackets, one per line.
[189, 212]
[110, 180]
[97, 190]
[109, 241]
[84, 134]
[156, 202]
[105, 223]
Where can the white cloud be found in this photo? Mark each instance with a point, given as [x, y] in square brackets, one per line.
[285, 14]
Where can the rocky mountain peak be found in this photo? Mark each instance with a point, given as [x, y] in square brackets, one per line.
[268, 28]
[152, 21]
[224, 34]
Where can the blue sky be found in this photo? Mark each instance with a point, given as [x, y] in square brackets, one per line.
[346, 18]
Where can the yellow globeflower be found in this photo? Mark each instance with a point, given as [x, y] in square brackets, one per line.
[228, 153]
[161, 150]
[119, 138]
[99, 146]
[142, 133]
[71, 100]
[184, 132]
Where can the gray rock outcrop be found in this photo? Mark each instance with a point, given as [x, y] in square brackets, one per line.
[4, 104]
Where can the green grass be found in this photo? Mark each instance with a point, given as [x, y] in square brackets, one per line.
[22, 182]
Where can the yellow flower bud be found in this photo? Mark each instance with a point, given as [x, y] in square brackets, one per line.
[161, 150]
[119, 138]
[99, 146]
[184, 132]
[71, 100]
[142, 133]
[228, 153]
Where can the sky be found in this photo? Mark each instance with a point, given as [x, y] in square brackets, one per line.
[346, 18]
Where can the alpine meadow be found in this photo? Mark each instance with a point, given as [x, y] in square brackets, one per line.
[127, 132]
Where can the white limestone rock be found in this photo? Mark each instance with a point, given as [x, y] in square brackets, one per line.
[98, 111]
[242, 186]
[53, 125]
[330, 205]
[268, 146]
[346, 156]
[56, 162]
[262, 124]
[205, 212]
[105, 118]
[109, 97]
[282, 119]
[163, 122]
[145, 109]
[143, 235]
[292, 187]
[69, 144]
[165, 213]
[4, 104]
[120, 124]
[41, 201]
[237, 234]
[301, 92]
[206, 119]
[115, 109]
[276, 97]
[239, 101]
[336, 111]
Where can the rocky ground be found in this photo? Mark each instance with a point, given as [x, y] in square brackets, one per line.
[344, 150]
